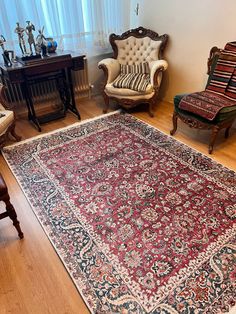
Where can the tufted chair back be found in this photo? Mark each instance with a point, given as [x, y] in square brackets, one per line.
[136, 46]
[136, 50]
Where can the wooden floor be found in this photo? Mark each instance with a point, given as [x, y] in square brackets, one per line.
[32, 277]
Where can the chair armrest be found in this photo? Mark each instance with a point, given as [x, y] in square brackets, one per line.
[3, 100]
[157, 67]
[111, 68]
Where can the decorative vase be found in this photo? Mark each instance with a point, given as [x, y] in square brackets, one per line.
[51, 45]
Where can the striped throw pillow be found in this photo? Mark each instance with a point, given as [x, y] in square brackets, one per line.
[231, 88]
[223, 72]
[135, 68]
[231, 46]
[134, 81]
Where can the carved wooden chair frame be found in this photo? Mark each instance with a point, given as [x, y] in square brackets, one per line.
[139, 32]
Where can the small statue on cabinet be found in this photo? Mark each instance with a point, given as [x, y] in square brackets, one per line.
[5, 54]
[2, 41]
[41, 43]
[20, 32]
[29, 31]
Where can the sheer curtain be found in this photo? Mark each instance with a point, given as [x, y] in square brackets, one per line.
[74, 24]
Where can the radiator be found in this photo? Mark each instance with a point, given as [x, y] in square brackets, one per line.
[47, 91]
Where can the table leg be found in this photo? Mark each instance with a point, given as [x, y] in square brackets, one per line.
[25, 88]
[72, 106]
[62, 91]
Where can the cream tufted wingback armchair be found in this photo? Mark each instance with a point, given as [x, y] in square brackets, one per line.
[7, 120]
[133, 48]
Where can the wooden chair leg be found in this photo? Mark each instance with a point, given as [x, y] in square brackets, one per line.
[214, 132]
[106, 100]
[13, 133]
[227, 131]
[175, 120]
[150, 109]
[10, 210]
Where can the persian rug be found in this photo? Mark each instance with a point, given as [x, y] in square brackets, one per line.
[142, 223]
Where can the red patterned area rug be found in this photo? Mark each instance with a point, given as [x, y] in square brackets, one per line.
[142, 223]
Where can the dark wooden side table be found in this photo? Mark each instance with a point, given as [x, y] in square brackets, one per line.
[57, 67]
[10, 211]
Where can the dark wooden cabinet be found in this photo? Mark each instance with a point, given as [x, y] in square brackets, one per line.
[56, 66]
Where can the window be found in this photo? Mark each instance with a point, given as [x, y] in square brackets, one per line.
[74, 24]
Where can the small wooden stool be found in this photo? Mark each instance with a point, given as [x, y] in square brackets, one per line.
[10, 211]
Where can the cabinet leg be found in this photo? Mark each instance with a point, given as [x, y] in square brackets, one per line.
[72, 105]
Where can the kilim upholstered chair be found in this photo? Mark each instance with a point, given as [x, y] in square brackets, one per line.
[134, 48]
[7, 120]
[225, 116]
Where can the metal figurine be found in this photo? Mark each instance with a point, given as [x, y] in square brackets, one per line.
[20, 32]
[29, 31]
[41, 43]
[2, 41]
[5, 54]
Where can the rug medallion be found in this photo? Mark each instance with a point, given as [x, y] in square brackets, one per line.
[142, 223]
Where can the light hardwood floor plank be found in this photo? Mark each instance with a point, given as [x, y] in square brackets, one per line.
[32, 278]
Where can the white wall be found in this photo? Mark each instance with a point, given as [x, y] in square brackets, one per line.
[96, 76]
[193, 28]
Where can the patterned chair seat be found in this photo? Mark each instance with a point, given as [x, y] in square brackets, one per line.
[224, 114]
